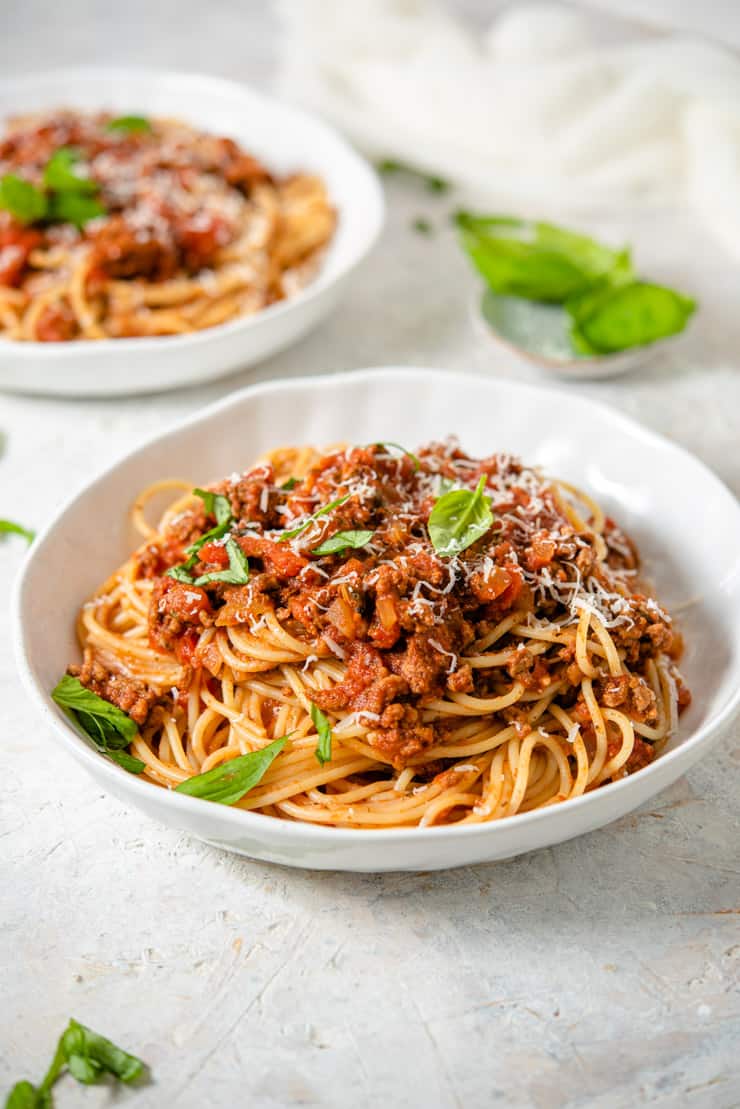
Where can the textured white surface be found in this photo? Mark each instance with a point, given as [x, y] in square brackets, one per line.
[603, 973]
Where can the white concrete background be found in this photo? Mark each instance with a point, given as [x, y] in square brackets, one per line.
[602, 973]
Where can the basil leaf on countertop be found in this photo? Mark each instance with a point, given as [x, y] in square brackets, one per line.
[229, 782]
[238, 571]
[293, 532]
[342, 541]
[432, 181]
[10, 527]
[458, 518]
[87, 1055]
[323, 729]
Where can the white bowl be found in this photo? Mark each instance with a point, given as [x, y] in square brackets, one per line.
[686, 521]
[285, 139]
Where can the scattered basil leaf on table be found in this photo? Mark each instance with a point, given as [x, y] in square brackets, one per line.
[293, 532]
[10, 527]
[458, 518]
[422, 226]
[230, 781]
[342, 541]
[110, 729]
[87, 1056]
[431, 181]
[24, 201]
[238, 571]
[627, 316]
[132, 124]
[323, 728]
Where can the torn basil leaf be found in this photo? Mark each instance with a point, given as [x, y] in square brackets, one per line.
[230, 781]
[459, 518]
[324, 732]
[237, 572]
[87, 1055]
[293, 532]
[216, 505]
[289, 484]
[342, 541]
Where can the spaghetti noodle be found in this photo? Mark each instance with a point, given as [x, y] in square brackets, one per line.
[132, 227]
[521, 667]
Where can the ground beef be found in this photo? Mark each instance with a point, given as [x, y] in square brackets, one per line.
[133, 697]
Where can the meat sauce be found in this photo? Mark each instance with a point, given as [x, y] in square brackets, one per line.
[172, 200]
[399, 615]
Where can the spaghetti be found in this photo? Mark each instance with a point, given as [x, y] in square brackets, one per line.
[125, 227]
[520, 667]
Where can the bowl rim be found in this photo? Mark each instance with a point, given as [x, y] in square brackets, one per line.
[295, 831]
[142, 344]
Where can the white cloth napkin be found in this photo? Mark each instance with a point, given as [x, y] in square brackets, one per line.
[542, 111]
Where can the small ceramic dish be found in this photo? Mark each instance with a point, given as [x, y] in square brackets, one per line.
[685, 521]
[285, 139]
[538, 333]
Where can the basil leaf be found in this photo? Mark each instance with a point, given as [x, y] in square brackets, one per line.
[9, 527]
[432, 181]
[24, 201]
[230, 781]
[238, 571]
[74, 207]
[342, 541]
[631, 315]
[289, 484]
[323, 728]
[128, 762]
[59, 175]
[25, 1095]
[179, 573]
[422, 226]
[459, 518]
[403, 450]
[70, 693]
[537, 260]
[88, 1054]
[216, 504]
[110, 729]
[132, 124]
[310, 519]
[219, 506]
